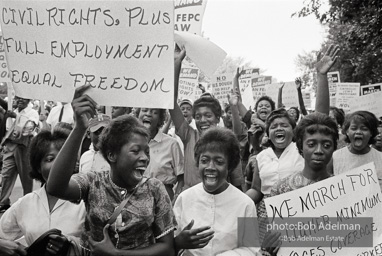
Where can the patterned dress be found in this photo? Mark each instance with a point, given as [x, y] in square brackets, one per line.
[147, 216]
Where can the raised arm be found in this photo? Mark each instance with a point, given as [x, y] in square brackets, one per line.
[59, 183]
[176, 114]
[280, 96]
[236, 88]
[298, 83]
[236, 123]
[255, 191]
[323, 66]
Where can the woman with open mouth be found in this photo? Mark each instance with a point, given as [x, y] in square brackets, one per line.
[207, 214]
[166, 158]
[360, 129]
[126, 213]
[276, 162]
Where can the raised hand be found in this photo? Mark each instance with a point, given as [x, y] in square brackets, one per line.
[233, 98]
[104, 247]
[239, 72]
[179, 54]
[298, 82]
[193, 238]
[84, 107]
[327, 61]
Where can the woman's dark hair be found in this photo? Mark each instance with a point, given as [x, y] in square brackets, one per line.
[367, 118]
[312, 123]
[118, 133]
[267, 98]
[339, 115]
[221, 140]
[162, 116]
[209, 102]
[278, 113]
[40, 145]
[297, 111]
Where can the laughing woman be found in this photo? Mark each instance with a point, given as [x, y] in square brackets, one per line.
[278, 161]
[214, 203]
[360, 129]
[166, 158]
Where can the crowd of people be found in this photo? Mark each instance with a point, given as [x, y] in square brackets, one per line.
[169, 182]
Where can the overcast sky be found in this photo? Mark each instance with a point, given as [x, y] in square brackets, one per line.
[263, 32]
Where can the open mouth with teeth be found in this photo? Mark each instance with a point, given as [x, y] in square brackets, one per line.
[146, 123]
[138, 172]
[279, 137]
[204, 127]
[210, 179]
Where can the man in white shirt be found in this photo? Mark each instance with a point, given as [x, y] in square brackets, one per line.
[15, 144]
[93, 160]
[60, 113]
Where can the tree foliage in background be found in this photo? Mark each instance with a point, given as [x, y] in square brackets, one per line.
[306, 65]
[356, 26]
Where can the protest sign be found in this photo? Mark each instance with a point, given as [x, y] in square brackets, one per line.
[290, 97]
[272, 90]
[330, 206]
[247, 98]
[258, 86]
[346, 92]
[4, 73]
[123, 49]
[307, 99]
[189, 15]
[205, 54]
[333, 80]
[188, 83]
[370, 102]
[246, 78]
[370, 88]
[289, 93]
[222, 86]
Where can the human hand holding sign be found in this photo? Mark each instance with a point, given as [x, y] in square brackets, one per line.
[84, 107]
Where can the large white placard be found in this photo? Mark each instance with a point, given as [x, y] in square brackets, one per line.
[370, 102]
[204, 53]
[189, 15]
[222, 85]
[124, 49]
[345, 197]
[188, 83]
[258, 86]
[346, 92]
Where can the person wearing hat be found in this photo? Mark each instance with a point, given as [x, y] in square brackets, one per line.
[92, 160]
[186, 108]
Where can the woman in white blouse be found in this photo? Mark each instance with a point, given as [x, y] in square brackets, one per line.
[278, 161]
[37, 212]
[207, 213]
